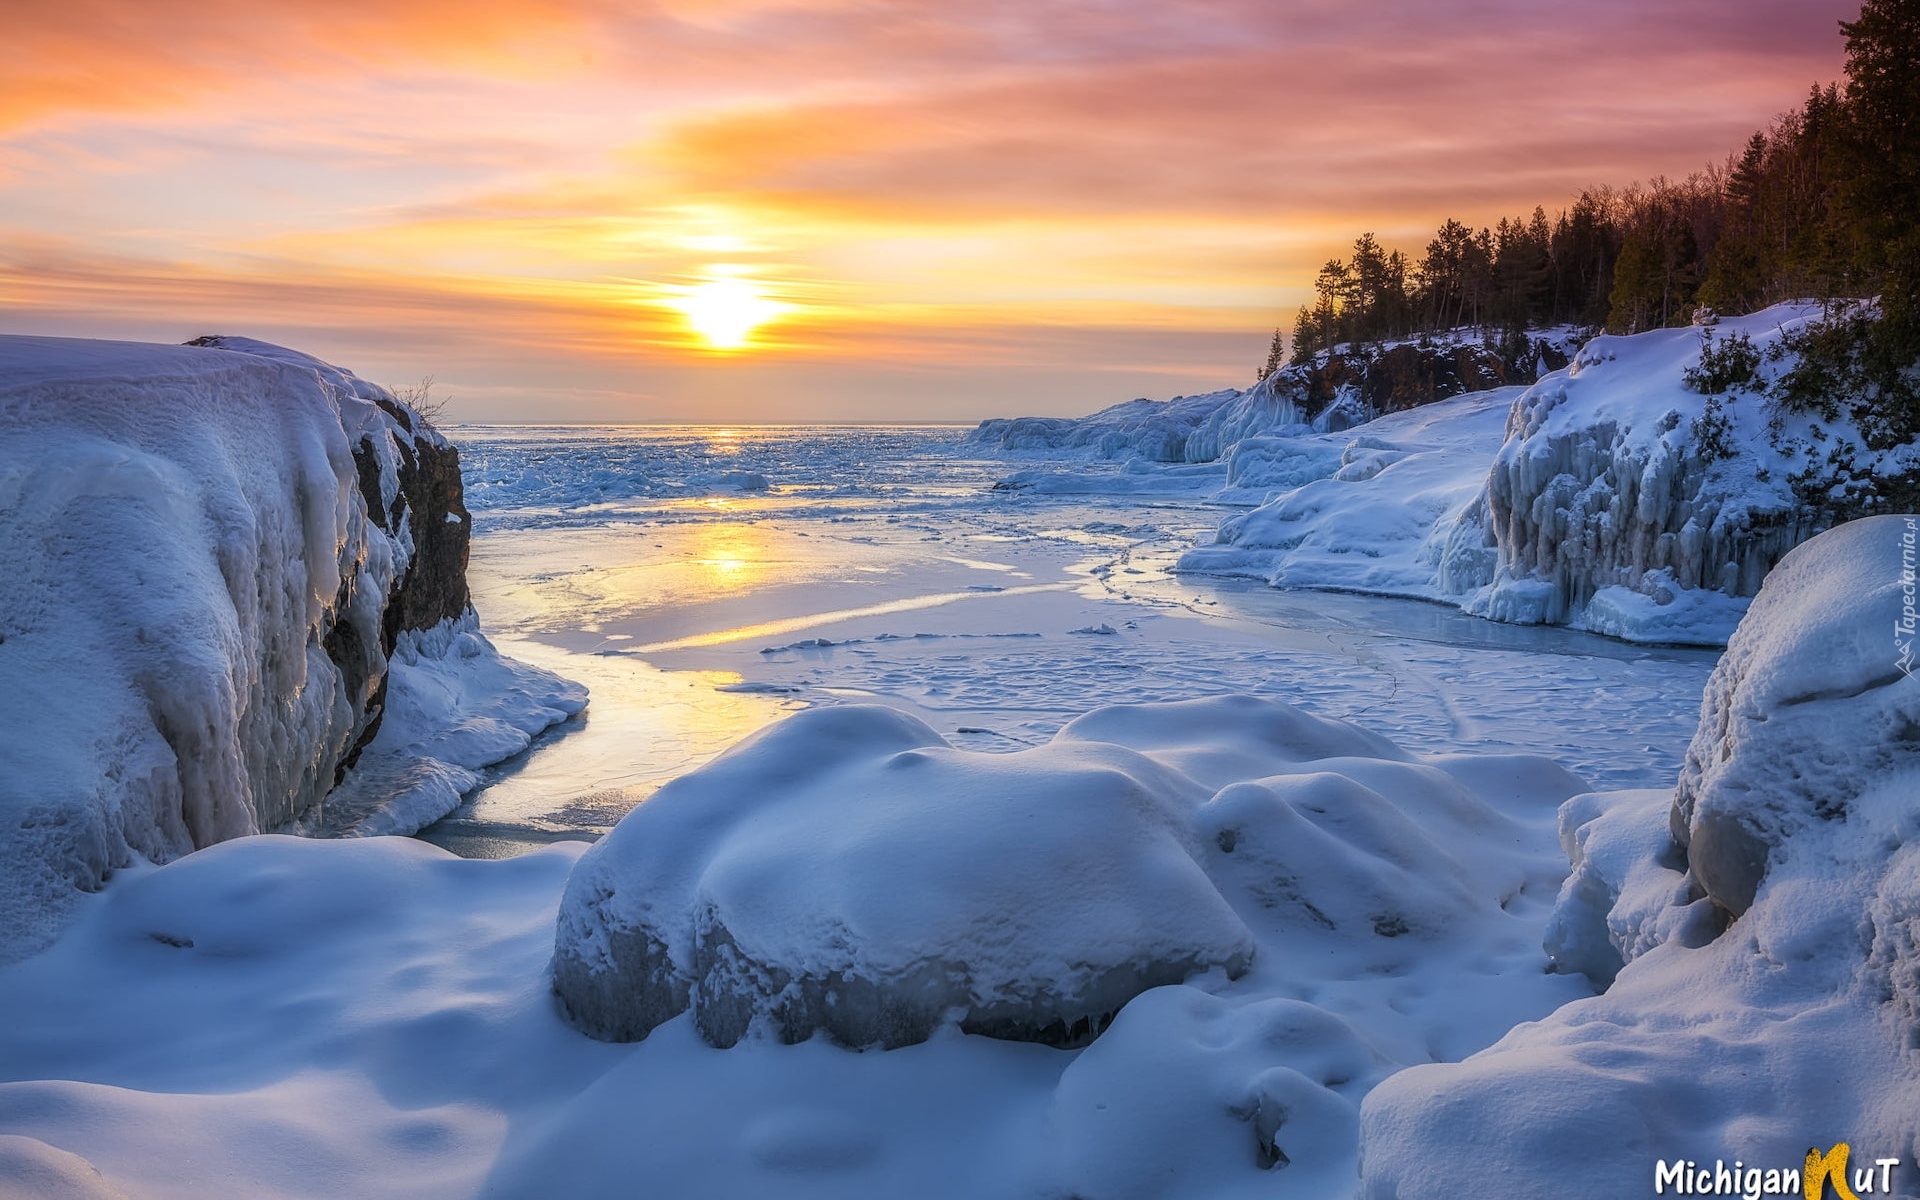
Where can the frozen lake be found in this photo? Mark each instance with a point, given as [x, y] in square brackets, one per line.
[704, 582]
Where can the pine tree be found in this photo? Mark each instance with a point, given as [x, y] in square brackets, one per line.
[1276, 355]
[1880, 195]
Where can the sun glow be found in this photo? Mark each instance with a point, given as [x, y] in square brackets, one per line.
[726, 309]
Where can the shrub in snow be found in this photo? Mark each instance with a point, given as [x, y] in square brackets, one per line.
[849, 871]
[1795, 1024]
[214, 553]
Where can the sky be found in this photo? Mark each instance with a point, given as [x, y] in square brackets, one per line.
[815, 210]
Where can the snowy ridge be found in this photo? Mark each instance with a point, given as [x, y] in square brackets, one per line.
[1153, 430]
[1367, 510]
[1792, 1026]
[213, 550]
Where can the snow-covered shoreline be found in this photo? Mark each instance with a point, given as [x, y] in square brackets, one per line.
[1613, 497]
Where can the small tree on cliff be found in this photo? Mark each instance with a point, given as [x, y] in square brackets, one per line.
[1276, 356]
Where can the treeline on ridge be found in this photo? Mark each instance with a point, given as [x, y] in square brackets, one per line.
[1822, 204]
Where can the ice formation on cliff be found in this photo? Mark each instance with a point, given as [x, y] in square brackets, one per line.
[213, 551]
[1598, 504]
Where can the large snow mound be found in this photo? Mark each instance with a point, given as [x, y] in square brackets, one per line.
[850, 871]
[1812, 704]
[1794, 1025]
[213, 552]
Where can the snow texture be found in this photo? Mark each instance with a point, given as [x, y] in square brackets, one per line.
[198, 610]
[1793, 1026]
[850, 871]
[277, 1017]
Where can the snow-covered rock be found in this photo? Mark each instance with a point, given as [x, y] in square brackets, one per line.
[214, 551]
[848, 870]
[1153, 430]
[1810, 707]
[1794, 1025]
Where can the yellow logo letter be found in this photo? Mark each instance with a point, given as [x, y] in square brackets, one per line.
[1832, 1166]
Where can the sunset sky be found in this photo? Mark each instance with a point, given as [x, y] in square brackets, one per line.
[790, 210]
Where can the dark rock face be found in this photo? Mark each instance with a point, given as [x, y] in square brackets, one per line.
[409, 480]
[430, 504]
[1403, 377]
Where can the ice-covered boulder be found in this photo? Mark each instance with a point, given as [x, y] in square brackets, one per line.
[1153, 430]
[1797, 820]
[1812, 704]
[214, 552]
[849, 871]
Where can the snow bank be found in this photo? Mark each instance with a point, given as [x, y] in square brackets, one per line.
[850, 871]
[1368, 510]
[286, 1018]
[1794, 1027]
[213, 551]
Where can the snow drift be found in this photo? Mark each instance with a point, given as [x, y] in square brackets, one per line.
[1792, 1026]
[850, 871]
[1368, 510]
[215, 553]
[284, 1018]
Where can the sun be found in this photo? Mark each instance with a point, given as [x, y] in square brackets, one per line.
[726, 310]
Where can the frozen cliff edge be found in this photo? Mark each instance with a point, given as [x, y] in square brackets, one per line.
[235, 602]
[1764, 924]
[1618, 497]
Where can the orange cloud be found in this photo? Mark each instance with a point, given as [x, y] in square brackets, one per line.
[927, 191]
